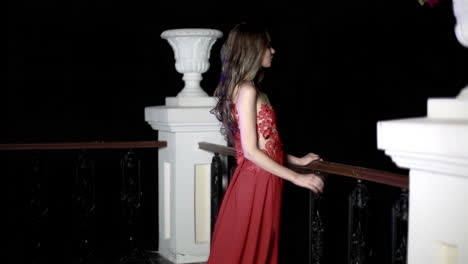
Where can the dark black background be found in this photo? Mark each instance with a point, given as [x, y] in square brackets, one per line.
[85, 70]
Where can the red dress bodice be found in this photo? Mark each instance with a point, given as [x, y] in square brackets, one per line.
[267, 129]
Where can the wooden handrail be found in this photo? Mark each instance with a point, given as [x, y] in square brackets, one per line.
[84, 145]
[229, 151]
[372, 175]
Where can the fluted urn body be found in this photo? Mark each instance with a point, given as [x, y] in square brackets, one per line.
[191, 48]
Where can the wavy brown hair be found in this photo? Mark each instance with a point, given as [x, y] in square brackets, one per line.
[241, 59]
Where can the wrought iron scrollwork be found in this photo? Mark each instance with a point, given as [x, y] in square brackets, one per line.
[217, 171]
[316, 229]
[131, 197]
[358, 247]
[131, 194]
[400, 228]
[84, 206]
[36, 208]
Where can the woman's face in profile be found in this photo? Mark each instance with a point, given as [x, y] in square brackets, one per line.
[267, 57]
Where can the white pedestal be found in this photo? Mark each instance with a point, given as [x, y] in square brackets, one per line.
[435, 149]
[190, 101]
[184, 181]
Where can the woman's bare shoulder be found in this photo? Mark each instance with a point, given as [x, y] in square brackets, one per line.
[244, 90]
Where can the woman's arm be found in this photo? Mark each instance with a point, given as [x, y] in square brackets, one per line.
[293, 160]
[303, 161]
[247, 110]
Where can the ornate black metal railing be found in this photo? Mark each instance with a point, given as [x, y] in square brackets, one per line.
[362, 217]
[81, 202]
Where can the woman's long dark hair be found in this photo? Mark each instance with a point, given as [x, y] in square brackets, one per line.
[241, 59]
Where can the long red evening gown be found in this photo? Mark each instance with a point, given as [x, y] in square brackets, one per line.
[247, 226]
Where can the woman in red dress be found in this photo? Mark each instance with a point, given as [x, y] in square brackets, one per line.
[247, 226]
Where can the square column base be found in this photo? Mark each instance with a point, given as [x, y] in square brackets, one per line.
[184, 180]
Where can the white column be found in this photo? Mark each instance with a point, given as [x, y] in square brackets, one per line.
[184, 198]
[435, 149]
[184, 169]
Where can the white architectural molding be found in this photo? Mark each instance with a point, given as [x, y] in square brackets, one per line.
[191, 48]
[449, 108]
[435, 150]
[181, 119]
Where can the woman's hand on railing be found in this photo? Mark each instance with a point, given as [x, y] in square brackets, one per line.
[303, 161]
[307, 159]
[309, 181]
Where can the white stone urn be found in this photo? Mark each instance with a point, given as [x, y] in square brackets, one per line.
[191, 48]
[460, 10]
